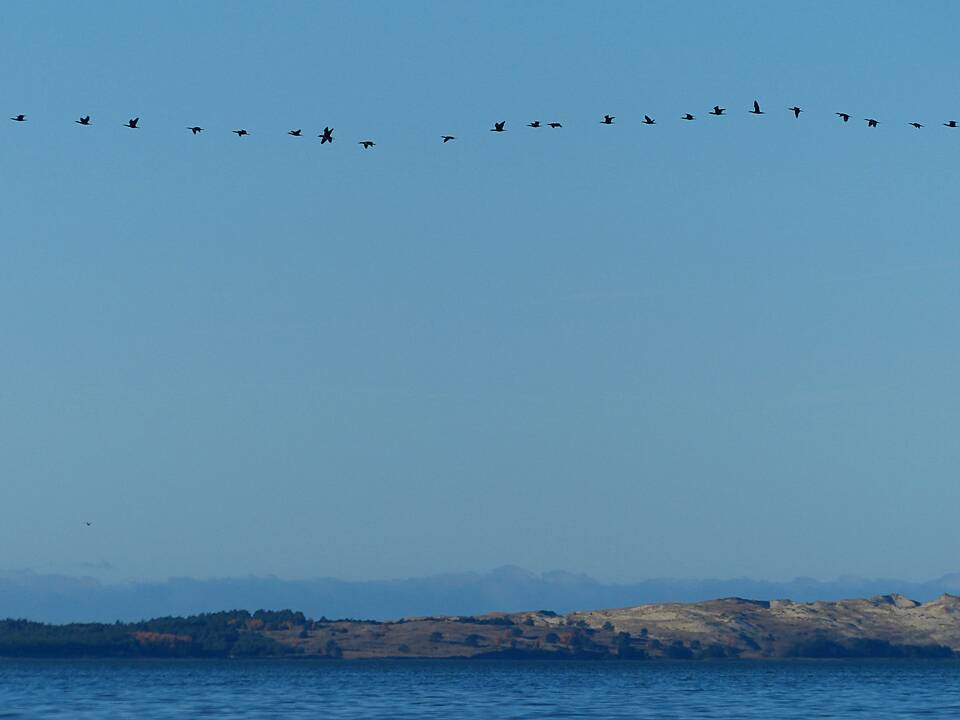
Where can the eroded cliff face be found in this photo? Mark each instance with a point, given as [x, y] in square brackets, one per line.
[883, 626]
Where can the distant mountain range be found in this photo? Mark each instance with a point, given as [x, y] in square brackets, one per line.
[60, 599]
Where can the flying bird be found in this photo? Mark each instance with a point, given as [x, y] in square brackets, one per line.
[195, 129]
[85, 120]
[132, 123]
[796, 111]
[647, 120]
[717, 110]
[607, 119]
[241, 132]
[19, 118]
[295, 133]
[916, 125]
[327, 136]
[534, 124]
[756, 108]
[952, 123]
[843, 116]
[367, 144]
[554, 125]
[688, 116]
[498, 126]
[447, 138]
[87, 523]
[871, 122]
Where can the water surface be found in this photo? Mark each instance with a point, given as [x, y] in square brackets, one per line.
[477, 689]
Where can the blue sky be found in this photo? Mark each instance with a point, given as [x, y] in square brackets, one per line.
[708, 349]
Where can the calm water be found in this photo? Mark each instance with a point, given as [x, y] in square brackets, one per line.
[188, 689]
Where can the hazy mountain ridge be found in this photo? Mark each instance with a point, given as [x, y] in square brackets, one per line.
[59, 598]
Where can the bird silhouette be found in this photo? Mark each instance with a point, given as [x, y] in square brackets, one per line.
[952, 123]
[607, 119]
[647, 120]
[87, 523]
[195, 129]
[19, 118]
[85, 120]
[241, 132]
[132, 123]
[327, 136]
[534, 124]
[843, 116]
[367, 144]
[717, 110]
[871, 122]
[295, 133]
[499, 126]
[688, 116]
[554, 125]
[447, 138]
[756, 108]
[916, 125]
[796, 111]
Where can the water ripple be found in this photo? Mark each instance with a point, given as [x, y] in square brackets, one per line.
[511, 690]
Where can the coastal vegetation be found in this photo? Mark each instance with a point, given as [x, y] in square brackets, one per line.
[732, 628]
[224, 634]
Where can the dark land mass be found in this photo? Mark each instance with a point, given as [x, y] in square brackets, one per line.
[886, 626]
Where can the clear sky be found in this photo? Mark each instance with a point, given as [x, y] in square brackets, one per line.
[694, 349]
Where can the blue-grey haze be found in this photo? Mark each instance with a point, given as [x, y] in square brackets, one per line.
[706, 349]
[62, 599]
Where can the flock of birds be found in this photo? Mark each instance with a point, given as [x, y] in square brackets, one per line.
[327, 135]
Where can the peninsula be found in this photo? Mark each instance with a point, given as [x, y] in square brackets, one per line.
[886, 626]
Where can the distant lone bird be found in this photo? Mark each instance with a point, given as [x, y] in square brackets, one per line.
[295, 133]
[647, 120]
[19, 118]
[717, 110]
[535, 123]
[688, 116]
[756, 108]
[241, 132]
[87, 523]
[843, 116]
[83, 121]
[554, 125]
[916, 125]
[952, 123]
[447, 138]
[871, 122]
[607, 119]
[195, 129]
[367, 144]
[796, 111]
[499, 126]
[327, 136]
[132, 123]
